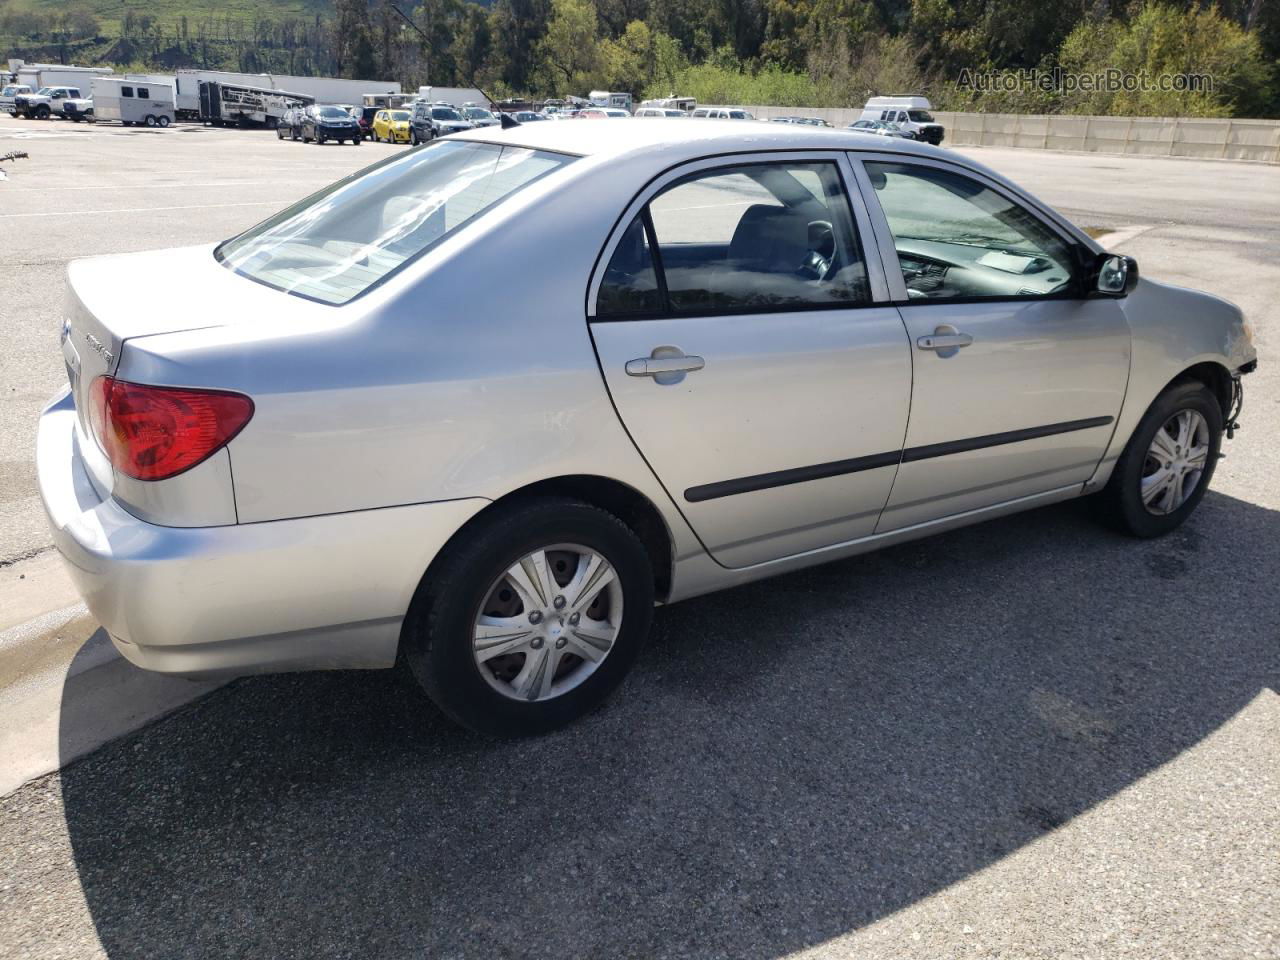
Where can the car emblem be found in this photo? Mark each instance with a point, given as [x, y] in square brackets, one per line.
[100, 347]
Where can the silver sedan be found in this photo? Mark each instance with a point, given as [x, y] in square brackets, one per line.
[347, 436]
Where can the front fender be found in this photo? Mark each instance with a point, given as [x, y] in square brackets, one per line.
[1173, 329]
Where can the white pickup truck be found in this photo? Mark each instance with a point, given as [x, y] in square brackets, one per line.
[8, 94]
[45, 102]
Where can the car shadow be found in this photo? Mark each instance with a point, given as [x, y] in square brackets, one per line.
[789, 761]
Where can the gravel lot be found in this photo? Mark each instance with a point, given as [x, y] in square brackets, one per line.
[1031, 738]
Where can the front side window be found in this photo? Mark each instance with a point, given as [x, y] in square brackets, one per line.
[338, 243]
[126, 91]
[958, 238]
[742, 239]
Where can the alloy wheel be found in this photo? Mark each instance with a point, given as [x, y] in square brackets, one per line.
[1175, 462]
[548, 622]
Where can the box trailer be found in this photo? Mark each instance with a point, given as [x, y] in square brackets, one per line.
[37, 75]
[128, 101]
[454, 96]
[319, 89]
[235, 104]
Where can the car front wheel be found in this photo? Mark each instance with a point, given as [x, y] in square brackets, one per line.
[531, 618]
[1168, 463]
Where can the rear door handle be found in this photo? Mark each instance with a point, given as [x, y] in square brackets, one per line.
[656, 366]
[944, 341]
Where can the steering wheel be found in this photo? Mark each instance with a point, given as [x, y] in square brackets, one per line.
[820, 256]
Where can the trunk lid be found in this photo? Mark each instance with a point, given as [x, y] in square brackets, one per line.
[114, 299]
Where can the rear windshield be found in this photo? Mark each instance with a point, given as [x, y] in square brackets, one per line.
[338, 243]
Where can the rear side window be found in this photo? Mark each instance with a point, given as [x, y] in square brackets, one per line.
[144, 93]
[752, 238]
[338, 243]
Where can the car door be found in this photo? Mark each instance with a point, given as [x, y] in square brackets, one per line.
[747, 345]
[1018, 373]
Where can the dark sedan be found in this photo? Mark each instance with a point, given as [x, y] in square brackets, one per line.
[322, 123]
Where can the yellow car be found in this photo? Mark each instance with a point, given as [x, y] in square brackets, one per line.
[391, 126]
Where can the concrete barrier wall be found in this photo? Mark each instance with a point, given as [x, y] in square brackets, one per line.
[1207, 139]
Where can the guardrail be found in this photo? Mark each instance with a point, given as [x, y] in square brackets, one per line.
[1202, 138]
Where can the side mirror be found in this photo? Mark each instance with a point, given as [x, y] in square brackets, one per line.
[1114, 275]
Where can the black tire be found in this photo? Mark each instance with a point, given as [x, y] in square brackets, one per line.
[42, 112]
[1121, 500]
[320, 140]
[437, 637]
[162, 120]
[149, 120]
[413, 137]
[355, 141]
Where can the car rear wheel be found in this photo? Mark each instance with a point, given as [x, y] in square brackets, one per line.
[1168, 463]
[531, 618]
[42, 112]
[149, 120]
[162, 121]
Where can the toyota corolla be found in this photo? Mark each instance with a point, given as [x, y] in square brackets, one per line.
[734, 351]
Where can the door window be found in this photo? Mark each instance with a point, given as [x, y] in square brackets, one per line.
[126, 91]
[956, 238]
[743, 239]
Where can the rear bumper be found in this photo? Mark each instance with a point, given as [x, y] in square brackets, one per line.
[311, 593]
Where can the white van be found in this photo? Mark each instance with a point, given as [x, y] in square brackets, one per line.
[722, 113]
[146, 102]
[911, 114]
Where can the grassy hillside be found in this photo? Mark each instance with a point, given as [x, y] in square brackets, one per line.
[110, 13]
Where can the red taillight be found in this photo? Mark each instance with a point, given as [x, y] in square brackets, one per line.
[152, 433]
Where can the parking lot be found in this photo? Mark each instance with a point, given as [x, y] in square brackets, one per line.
[1031, 738]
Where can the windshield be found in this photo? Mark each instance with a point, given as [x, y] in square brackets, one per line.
[399, 115]
[920, 116]
[476, 113]
[444, 113]
[338, 243]
[44, 91]
[331, 113]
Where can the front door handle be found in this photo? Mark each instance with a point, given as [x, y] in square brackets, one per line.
[654, 366]
[944, 341]
[667, 365]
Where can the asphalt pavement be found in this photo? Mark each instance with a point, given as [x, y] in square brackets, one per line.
[1032, 738]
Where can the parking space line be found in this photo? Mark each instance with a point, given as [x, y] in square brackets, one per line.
[198, 206]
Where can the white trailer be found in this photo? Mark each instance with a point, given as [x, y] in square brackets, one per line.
[318, 89]
[37, 75]
[145, 102]
[605, 98]
[454, 96]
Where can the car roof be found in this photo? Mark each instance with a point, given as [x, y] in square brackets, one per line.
[678, 141]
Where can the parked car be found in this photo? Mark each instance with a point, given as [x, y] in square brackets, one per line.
[8, 94]
[391, 126]
[437, 120]
[480, 479]
[290, 125]
[528, 116]
[660, 112]
[44, 103]
[882, 128]
[321, 123]
[479, 116]
[722, 113]
[603, 113]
